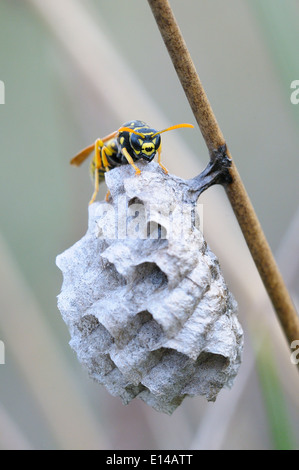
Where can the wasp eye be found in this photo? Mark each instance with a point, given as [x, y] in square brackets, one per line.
[136, 143]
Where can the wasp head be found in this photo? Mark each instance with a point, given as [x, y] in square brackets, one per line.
[144, 141]
[145, 146]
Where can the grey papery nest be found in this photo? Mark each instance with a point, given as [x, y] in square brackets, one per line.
[143, 296]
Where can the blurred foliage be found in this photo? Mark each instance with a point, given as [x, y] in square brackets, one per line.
[282, 434]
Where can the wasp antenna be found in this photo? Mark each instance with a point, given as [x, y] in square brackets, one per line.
[177, 126]
[127, 129]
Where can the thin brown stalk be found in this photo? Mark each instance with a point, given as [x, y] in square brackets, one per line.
[235, 190]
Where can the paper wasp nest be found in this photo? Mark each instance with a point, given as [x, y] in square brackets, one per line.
[148, 310]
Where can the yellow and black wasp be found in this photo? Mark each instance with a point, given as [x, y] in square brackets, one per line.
[133, 141]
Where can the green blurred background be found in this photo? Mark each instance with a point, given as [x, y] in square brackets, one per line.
[75, 70]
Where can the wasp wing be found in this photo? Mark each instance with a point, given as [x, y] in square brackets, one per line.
[109, 136]
[81, 156]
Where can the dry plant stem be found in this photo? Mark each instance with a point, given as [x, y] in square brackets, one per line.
[236, 192]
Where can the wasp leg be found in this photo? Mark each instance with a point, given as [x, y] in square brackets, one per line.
[130, 160]
[105, 152]
[159, 160]
[98, 165]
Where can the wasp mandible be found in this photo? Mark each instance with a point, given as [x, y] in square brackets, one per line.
[133, 141]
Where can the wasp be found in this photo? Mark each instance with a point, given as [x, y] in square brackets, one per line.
[134, 141]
